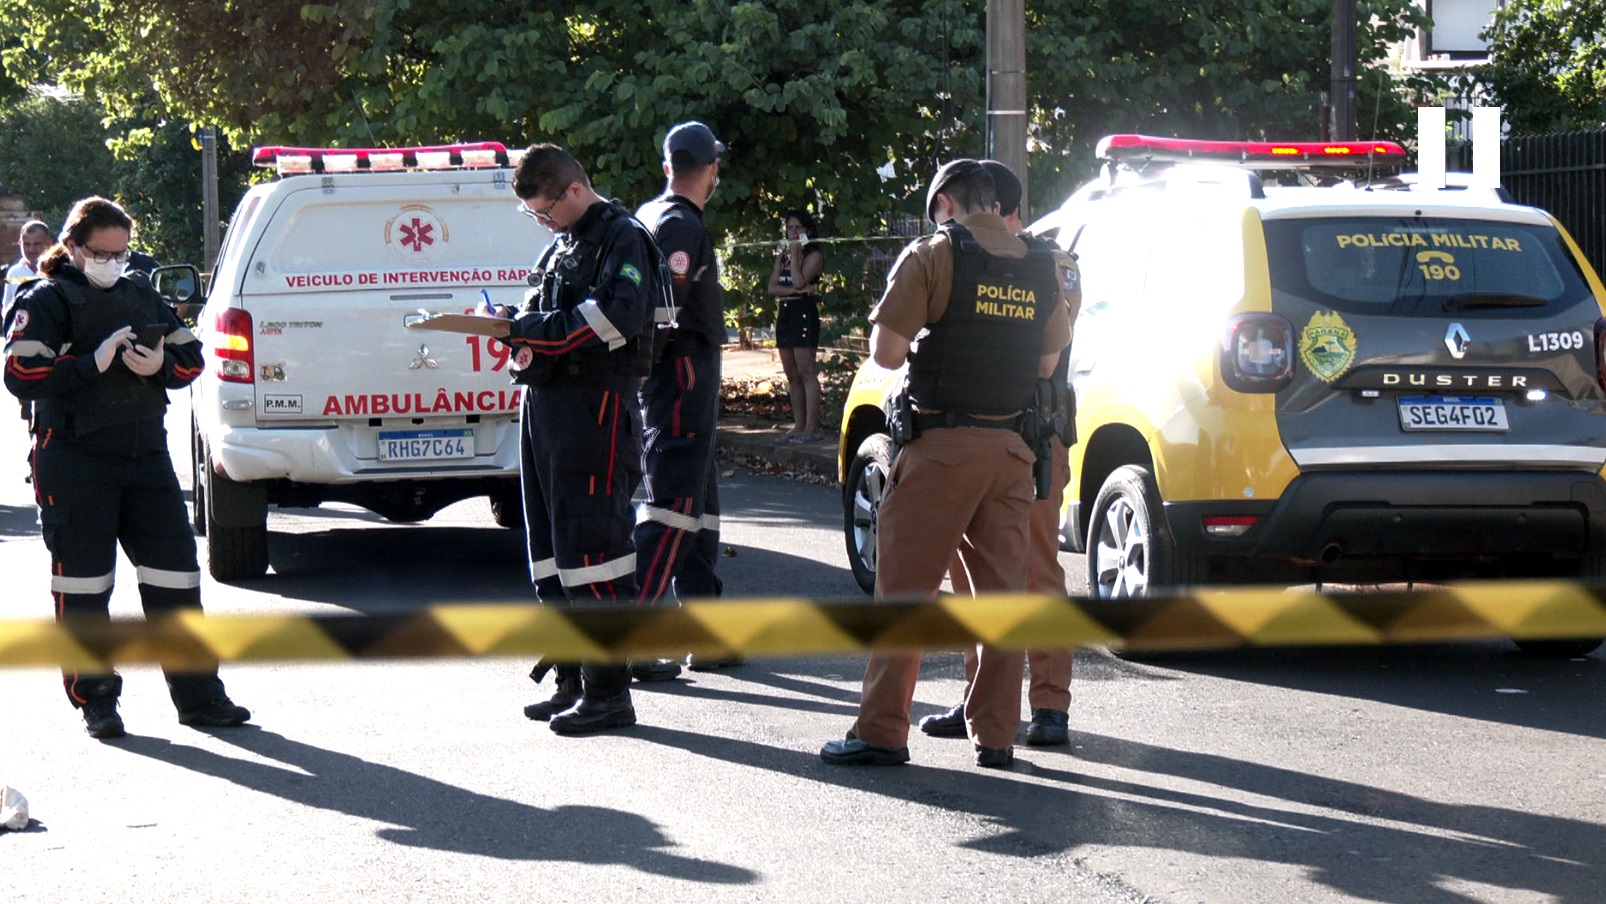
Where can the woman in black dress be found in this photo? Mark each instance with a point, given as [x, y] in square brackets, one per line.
[795, 283]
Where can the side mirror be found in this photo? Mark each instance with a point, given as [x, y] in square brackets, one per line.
[179, 286]
[176, 284]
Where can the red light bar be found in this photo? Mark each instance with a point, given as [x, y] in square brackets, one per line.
[1284, 153]
[269, 156]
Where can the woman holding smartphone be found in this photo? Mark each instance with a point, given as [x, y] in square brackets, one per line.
[795, 283]
[97, 350]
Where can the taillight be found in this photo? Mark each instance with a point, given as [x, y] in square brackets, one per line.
[1600, 353]
[1257, 353]
[232, 345]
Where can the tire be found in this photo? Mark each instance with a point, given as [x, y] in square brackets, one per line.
[507, 509]
[197, 480]
[1130, 552]
[233, 553]
[861, 505]
[1591, 570]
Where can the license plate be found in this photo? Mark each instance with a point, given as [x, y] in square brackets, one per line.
[1453, 413]
[426, 445]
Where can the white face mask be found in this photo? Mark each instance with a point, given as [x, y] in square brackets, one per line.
[102, 275]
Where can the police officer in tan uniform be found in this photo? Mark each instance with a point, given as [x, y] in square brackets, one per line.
[987, 310]
[1049, 693]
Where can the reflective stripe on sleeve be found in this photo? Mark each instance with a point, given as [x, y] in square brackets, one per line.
[607, 571]
[29, 348]
[600, 324]
[63, 584]
[171, 580]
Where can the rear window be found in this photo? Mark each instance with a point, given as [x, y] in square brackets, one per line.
[1423, 266]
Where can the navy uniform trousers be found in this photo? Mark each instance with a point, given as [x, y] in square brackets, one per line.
[89, 502]
[677, 528]
[580, 464]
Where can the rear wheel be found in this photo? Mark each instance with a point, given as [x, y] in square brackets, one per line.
[1129, 548]
[507, 507]
[234, 552]
[197, 480]
[868, 478]
[1591, 570]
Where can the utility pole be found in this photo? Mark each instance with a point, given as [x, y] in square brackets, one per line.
[1342, 126]
[1006, 88]
[209, 233]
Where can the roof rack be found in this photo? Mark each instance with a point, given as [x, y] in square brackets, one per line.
[471, 155]
[1138, 151]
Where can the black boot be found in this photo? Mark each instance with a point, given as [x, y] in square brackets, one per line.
[566, 695]
[604, 704]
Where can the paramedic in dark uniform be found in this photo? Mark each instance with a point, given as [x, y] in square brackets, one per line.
[987, 311]
[101, 470]
[1049, 693]
[677, 527]
[581, 344]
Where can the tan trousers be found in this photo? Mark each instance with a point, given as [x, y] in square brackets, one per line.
[950, 484]
[1050, 686]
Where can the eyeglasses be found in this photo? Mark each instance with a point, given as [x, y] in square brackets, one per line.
[107, 257]
[544, 213]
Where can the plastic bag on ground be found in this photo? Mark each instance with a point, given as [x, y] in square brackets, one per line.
[13, 809]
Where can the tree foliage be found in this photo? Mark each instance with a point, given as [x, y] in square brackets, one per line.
[53, 152]
[1547, 64]
[843, 106]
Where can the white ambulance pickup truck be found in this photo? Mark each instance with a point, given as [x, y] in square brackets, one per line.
[315, 389]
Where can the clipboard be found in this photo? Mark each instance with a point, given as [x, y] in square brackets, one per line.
[475, 324]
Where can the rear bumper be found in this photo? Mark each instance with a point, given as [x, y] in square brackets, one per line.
[324, 456]
[1420, 515]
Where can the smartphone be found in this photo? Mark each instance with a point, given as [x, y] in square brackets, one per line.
[150, 335]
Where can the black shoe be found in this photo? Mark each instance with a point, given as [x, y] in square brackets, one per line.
[220, 713]
[850, 751]
[594, 714]
[709, 663]
[950, 724]
[657, 670]
[101, 719]
[566, 695]
[994, 757]
[1049, 728]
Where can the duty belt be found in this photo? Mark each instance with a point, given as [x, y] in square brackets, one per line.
[924, 422]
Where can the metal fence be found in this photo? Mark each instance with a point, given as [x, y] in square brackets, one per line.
[1564, 173]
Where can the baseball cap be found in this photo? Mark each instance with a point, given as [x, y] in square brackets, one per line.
[691, 145]
[1006, 185]
[948, 172]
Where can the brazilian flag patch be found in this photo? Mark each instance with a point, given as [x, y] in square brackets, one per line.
[629, 271]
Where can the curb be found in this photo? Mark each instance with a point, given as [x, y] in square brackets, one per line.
[757, 438]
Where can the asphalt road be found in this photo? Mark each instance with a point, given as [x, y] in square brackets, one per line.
[1447, 773]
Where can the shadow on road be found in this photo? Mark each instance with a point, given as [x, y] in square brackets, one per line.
[1489, 681]
[1562, 858]
[18, 522]
[414, 806]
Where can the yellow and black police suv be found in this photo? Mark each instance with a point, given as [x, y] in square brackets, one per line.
[1295, 364]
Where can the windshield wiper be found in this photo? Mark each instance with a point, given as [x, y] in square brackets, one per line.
[1491, 300]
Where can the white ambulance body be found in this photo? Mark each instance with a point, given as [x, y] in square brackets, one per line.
[315, 388]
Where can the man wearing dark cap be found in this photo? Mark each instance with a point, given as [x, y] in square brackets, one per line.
[1049, 693]
[677, 527]
[995, 323]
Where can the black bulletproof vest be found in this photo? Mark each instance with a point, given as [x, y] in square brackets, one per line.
[981, 357]
[118, 396]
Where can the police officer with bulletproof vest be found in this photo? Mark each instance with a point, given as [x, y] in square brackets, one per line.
[986, 310]
[581, 344]
[96, 351]
[1049, 693]
[677, 529]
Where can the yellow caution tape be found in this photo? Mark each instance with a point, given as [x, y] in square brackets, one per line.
[1207, 619]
